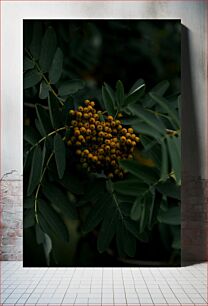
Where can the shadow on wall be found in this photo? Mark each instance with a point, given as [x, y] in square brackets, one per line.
[193, 210]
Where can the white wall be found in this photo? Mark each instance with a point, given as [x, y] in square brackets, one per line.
[191, 13]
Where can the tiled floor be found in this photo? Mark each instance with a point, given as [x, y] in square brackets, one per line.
[103, 286]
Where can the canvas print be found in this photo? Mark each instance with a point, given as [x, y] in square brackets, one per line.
[102, 143]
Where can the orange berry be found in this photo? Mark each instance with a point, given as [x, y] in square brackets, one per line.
[76, 132]
[92, 120]
[124, 131]
[94, 158]
[123, 138]
[78, 143]
[130, 130]
[86, 152]
[110, 175]
[99, 127]
[119, 127]
[119, 115]
[86, 102]
[72, 112]
[92, 126]
[100, 134]
[110, 118]
[86, 116]
[137, 139]
[107, 141]
[92, 103]
[83, 129]
[133, 143]
[90, 156]
[69, 143]
[118, 122]
[107, 148]
[78, 152]
[88, 131]
[74, 122]
[81, 137]
[80, 108]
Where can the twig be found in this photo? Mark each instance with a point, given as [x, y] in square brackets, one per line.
[39, 185]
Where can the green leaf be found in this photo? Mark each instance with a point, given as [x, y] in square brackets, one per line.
[47, 245]
[70, 87]
[31, 78]
[119, 93]
[29, 202]
[126, 242]
[60, 155]
[95, 215]
[44, 89]
[176, 231]
[136, 210]
[174, 152]
[136, 92]
[48, 48]
[35, 171]
[59, 199]
[137, 85]
[149, 118]
[56, 67]
[130, 187]
[161, 88]
[179, 106]
[40, 237]
[29, 218]
[164, 164]
[51, 222]
[28, 63]
[134, 228]
[172, 216]
[30, 135]
[108, 99]
[167, 109]
[144, 173]
[43, 120]
[54, 111]
[152, 207]
[169, 189]
[72, 183]
[107, 230]
[35, 45]
[145, 129]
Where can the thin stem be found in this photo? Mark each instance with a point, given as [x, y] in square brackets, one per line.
[117, 205]
[44, 138]
[44, 77]
[39, 185]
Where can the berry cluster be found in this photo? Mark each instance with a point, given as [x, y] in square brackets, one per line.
[100, 141]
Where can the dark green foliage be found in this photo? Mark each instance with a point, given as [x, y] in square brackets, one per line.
[62, 202]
